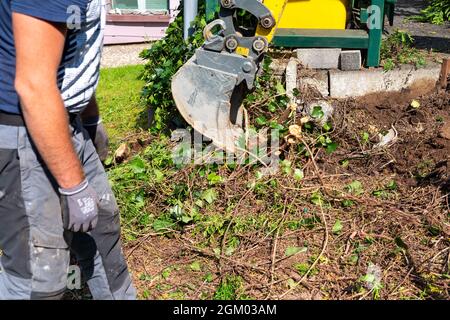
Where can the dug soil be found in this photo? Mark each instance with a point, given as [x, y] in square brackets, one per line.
[365, 222]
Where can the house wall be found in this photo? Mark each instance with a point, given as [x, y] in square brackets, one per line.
[122, 29]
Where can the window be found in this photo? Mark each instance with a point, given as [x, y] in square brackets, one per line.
[141, 5]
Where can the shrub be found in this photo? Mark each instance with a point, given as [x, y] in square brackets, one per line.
[164, 58]
[437, 12]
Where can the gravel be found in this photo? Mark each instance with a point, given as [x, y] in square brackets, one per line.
[122, 55]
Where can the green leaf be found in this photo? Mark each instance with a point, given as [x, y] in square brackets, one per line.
[317, 112]
[280, 88]
[290, 251]
[353, 259]
[162, 223]
[380, 194]
[302, 268]
[229, 251]
[196, 266]
[327, 127]
[317, 199]
[209, 195]
[355, 188]
[137, 165]
[199, 203]
[369, 278]
[217, 252]
[337, 227]
[298, 174]
[291, 284]
[365, 137]
[347, 203]
[159, 175]
[209, 277]
[272, 106]
[400, 243]
[176, 211]
[109, 161]
[259, 175]
[286, 166]
[186, 219]
[166, 273]
[275, 125]
[345, 163]
[331, 147]
[214, 178]
[261, 121]
[392, 185]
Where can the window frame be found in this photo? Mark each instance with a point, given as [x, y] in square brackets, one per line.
[141, 6]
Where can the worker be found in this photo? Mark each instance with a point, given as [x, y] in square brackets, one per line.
[55, 198]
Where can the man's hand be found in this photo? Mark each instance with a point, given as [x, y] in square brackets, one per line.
[98, 135]
[79, 207]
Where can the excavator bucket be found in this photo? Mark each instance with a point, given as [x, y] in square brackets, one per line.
[210, 101]
[209, 89]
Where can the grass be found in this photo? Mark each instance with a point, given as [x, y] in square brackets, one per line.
[119, 99]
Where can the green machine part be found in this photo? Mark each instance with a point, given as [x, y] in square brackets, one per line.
[365, 37]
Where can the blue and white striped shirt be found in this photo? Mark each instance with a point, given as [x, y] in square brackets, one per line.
[78, 73]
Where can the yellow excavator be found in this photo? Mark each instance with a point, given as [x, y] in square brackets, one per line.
[209, 89]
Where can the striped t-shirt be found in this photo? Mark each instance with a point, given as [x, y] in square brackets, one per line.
[79, 70]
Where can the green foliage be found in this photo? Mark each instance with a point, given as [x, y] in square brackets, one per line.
[268, 99]
[437, 12]
[164, 58]
[132, 181]
[317, 199]
[230, 288]
[398, 49]
[317, 112]
[196, 266]
[386, 191]
[355, 187]
[337, 227]
[302, 269]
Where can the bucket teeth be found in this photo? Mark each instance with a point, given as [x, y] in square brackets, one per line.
[210, 101]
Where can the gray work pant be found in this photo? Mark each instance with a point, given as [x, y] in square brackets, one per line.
[35, 247]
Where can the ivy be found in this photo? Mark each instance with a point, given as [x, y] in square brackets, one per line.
[163, 59]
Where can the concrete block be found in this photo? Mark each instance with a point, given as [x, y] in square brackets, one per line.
[291, 78]
[344, 84]
[350, 60]
[319, 58]
[317, 80]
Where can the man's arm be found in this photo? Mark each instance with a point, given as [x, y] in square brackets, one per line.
[39, 48]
